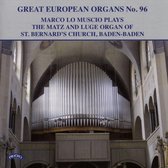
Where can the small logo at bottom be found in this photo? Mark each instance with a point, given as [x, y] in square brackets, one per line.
[15, 155]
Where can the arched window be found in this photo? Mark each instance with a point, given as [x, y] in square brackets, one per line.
[136, 82]
[138, 129]
[148, 54]
[147, 122]
[14, 53]
[155, 163]
[18, 123]
[10, 112]
[26, 130]
[17, 57]
[19, 60]
[134, 78]
[152, 114]
[27, 85]
[12, 116]
[156, 108]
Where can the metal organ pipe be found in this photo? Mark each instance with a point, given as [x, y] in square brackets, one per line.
[80, 94]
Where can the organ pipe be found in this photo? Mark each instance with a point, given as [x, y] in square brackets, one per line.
[80, 94]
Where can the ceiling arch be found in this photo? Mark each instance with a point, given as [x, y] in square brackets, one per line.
[95, 51]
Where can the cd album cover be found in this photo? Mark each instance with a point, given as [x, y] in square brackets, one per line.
[83, 84]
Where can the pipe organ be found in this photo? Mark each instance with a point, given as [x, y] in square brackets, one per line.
[80, 94]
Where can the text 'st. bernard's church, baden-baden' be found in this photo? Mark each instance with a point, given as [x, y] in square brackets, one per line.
[83, 104]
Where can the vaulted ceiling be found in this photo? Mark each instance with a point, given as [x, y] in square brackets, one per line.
[113, 57]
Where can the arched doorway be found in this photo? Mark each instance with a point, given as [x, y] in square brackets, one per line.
[18, 123]
[82, 165]
[156, 108]
[12, 116]
[155, 163]
[152, 114]
[127, 165]
[37, 165]
[13, 165]
[26, 135]
[10, 111]
[138, 129]
[147, 122]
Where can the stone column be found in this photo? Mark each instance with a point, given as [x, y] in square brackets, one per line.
[161, 149]
[5, 83]
[166, 156]
[162, 92]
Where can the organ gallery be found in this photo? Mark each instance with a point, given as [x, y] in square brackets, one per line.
[81, 94]
[83, 104]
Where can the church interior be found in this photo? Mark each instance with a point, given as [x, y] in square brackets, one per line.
[83, 104]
